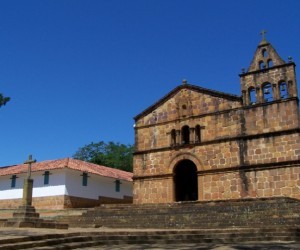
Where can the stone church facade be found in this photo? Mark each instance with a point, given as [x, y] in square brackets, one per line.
[197, 144]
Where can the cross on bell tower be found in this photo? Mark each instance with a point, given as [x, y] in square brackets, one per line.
[263, 34]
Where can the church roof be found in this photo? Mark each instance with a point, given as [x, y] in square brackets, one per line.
[190, 87]
[71, 164]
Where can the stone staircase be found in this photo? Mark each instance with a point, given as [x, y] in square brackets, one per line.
[222, 222]
[248, 213]
[149, 237]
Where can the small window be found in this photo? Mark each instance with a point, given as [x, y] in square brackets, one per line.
[118, 185]
[252, 96]
[184, 110]
[267, 92]
[283, 90]
[13, 181]
[198, 133]
[270, 63]
[46, 177]
[185, 132]
[264, 53]
[85, 179]
[261, 65]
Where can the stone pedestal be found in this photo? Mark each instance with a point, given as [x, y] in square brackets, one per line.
[26, 216]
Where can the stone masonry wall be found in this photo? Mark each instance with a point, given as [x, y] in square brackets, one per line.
[279, 182]
[213, 113]
[229, 185]
[213, 156]
[197, 104]
[273, 149]
[273, 117]
[159, 190]
[214, 126]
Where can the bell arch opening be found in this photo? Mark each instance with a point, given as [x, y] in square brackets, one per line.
[185, 181]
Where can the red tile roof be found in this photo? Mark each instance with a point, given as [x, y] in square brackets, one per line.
[71, 164]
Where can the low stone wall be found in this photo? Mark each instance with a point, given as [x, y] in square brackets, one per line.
[108, 200]
[51, 202]
[63, 201]
[77, 202]
[10, 204]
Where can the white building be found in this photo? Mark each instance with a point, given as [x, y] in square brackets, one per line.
[65, 183]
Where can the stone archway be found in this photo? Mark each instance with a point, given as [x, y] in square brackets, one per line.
[185, 181]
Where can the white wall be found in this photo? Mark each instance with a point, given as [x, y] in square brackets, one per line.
[97, 186]
[7, 192]
[65, 182]
[55, 187]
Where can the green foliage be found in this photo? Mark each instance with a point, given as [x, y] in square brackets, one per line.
[114, 155]
[3, 100]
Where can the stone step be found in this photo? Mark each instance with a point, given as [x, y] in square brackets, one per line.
[35, 224]
[188, 222]
[80, 240]
[35, 238]
[250, 213]
[262, 202]
[128, 244]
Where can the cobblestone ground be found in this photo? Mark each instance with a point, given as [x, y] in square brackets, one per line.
[244, 246]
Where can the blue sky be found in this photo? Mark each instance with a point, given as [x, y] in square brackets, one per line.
[78, 71]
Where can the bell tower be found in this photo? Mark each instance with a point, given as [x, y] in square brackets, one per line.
[269, 78]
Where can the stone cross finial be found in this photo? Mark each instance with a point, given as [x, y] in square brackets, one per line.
[29, 162]
[263, 34]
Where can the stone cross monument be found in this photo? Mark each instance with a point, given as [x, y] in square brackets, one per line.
[28, 184]
[26, 216]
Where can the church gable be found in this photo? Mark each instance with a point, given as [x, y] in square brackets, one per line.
[186, 101]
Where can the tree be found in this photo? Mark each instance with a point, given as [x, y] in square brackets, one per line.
[3, 100]
[114, 155]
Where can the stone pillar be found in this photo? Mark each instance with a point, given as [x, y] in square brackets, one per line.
[275, 90]
[259, 96]
[245, 98]
[27, 192]
[171, 193]
[192, 135]
[178, 137]
[200, 187]
[292, 89]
